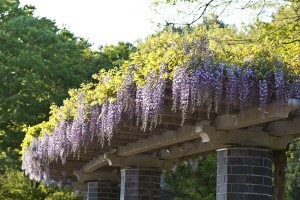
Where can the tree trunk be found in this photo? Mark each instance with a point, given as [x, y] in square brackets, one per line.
[280, 162]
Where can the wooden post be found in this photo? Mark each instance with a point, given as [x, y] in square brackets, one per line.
[280, 162]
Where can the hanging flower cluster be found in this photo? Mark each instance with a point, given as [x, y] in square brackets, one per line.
[149, 99]
[201, 83]
[70, 137]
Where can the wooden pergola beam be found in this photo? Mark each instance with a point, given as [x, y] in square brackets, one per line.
[187, 149]
[221, 139]
[183, 134]
[99, 175]
[248, 137]
[132, 161]
[254, 116]
[283, 128]
[96, 163]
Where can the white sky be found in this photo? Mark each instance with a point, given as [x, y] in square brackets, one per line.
[100, 21]
[104, 22]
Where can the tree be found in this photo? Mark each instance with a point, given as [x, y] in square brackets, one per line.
[39, 63]
[13, 185]
[293, 172]
[109, 56]
[194, 179]
[190, 12]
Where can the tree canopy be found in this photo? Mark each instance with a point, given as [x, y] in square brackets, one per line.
[193, 179]
[13, 185]
[39, 63]
[191, 12]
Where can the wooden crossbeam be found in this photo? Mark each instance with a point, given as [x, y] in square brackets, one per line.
[187, 149]
[132, 161]
[283, 128]
[249, 137]
[99, 175]
[96, 163]
[184, 133]
[254, 116]
[186, 141]
[221, 139]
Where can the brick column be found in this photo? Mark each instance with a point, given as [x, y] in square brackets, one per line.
[244, 174]
[137, 184]
[102, 190]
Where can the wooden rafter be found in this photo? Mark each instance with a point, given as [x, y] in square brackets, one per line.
[255, 116]
[184, 133]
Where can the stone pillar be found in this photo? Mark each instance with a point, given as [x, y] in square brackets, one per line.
[102, 190]
[137, 184]
[244, 174]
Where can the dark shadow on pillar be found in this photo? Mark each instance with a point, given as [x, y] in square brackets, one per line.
[280, 162]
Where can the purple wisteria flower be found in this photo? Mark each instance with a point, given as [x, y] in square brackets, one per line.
[263, 94]
[181, 91]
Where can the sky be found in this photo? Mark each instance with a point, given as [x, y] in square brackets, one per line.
[104, 22]
[99, 21]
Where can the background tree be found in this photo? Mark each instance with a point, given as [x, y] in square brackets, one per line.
[114, 55]
[194, 179]
[190, 12]
[39, 63]
[293, 172]
[13, 185]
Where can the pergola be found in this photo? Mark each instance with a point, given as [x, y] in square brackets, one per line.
[244, 142]
[243, 118]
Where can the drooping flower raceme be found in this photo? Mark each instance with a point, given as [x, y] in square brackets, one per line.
[263, 94]
[231, 88]
[181, 91]
[149, 98]
[279, 85]
[218, 85]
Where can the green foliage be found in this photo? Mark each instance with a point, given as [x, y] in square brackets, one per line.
[188, 184]
[114, 55]
[213, 21]
[190, 12]
[108, 56]
[39, 63]
[278, 39]
[293, 172]
[13, 185]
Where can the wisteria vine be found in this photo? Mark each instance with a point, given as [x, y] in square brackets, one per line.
[205, 85]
